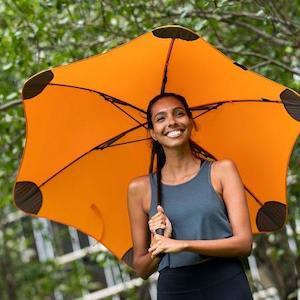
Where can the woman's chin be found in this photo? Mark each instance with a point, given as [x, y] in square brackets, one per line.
[174, 142]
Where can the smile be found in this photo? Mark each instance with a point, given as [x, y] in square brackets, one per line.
[174, 133]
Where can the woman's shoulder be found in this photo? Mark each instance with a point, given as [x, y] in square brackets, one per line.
[223, 164]
[223, 167]
[139, 192]
[139, 184]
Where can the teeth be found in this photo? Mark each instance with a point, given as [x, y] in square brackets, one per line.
[174, 133]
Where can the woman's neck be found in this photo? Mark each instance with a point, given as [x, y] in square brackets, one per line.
[180, 164]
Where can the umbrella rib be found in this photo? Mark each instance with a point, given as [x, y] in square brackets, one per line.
[165, 76]
[255, 198]
[201, 107]
[120, 144]
[102, 146]
[207, 154]
[125, 112]
[110, 142]
[114, 101]
[210, 107]
[215, 105]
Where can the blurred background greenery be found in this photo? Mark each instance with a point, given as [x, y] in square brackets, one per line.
[36, 35]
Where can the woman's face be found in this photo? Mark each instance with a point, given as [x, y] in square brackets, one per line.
[171, 124]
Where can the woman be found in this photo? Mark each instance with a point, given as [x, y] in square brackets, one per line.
[204, 215]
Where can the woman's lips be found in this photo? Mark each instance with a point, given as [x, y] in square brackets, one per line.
[174, 133]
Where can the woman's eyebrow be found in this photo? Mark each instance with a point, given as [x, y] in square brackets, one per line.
[163, 112]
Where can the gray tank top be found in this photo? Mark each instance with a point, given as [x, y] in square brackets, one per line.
[196, 212]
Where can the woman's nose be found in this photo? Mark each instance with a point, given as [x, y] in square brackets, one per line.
[171, 121]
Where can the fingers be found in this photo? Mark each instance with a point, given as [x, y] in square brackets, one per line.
[157, 221]
[160, 212]
[155, 253]
[157, 237]
[160, 220]
[156, 225]
[156, 248]
[160, 209]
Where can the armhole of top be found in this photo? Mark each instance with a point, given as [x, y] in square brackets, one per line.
[210, 182]
[150, 175]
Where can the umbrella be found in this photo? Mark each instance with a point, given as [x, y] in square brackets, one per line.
[86, 131]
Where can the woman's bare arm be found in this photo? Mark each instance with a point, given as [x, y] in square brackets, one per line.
[143, 264]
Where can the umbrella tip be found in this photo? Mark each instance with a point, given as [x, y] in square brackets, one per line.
[28, 197]
[175, 32]
[291, 102]
[271, 216]
[36, 84]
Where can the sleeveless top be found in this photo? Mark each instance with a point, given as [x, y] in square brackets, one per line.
[196, 212]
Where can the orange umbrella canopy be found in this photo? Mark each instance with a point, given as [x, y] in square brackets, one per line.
[86, 131]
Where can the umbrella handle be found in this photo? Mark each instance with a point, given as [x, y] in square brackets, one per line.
[160, 231]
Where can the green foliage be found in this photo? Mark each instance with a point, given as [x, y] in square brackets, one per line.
[36, 35]
[23, 276]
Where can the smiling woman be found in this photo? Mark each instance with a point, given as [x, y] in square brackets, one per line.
[201, 225]
[180, 124]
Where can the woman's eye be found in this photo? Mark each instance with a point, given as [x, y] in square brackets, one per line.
[180, 113]
[159, 119]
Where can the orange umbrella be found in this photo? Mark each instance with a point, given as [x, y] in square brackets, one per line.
[86, 134]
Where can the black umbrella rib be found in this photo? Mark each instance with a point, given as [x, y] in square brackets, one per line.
[102, 146]
[215, 105]
[108, 98]
[207, 108]
[124, 143]
[114, 101]
[254, 197]
[207, 154]
[204, 106]
[111, 142]
[165, 76]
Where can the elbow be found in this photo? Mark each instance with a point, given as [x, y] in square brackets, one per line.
[246, 251]
[140, 272]
[246, 248]
[249, 249]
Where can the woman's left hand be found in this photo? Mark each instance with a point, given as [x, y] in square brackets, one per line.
[166, 245]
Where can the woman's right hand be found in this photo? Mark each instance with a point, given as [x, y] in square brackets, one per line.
[160, 220]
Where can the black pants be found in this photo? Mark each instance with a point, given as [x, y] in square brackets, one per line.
[217, 279]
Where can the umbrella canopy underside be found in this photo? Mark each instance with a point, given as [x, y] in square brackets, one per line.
[86, 131]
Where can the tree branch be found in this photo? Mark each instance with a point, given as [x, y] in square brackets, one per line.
[263, 18]
[272, 39]
[230, 14]
[10, 104]
[266, 58]
[259, 65]
[227, 18]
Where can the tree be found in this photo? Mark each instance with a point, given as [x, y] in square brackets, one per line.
[36, 35]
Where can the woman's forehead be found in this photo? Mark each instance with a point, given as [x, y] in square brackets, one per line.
[166, 103]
